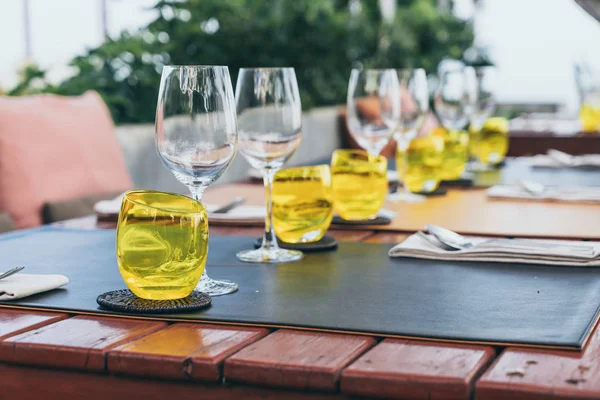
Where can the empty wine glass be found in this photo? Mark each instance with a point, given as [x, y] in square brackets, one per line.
[373, 107]
[270, 124]
[455, 97]
[414, 99]
[483, 79]
[485, 87]
[196, 134]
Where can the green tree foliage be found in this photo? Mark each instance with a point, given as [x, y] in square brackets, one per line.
[321, 39]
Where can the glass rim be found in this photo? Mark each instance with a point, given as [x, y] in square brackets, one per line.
[360, 152]
[197, 66]
[266, 68]
[177, 195]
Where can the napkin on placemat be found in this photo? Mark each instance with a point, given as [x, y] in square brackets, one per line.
[573, 194]
[109, 210]
[22, 285]
[559, 159]
[547, 252]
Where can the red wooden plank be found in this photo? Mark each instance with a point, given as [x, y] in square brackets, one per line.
[14, 322]
[182, 351]
[544, 374]
[296, 359]
[416, 370]
[24, 383]
[79, 342]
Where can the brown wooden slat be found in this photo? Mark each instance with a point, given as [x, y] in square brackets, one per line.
[182, 351]
[543, 374]
[416, 370]
[14, 322]
[386, 237]
[296, 359]
[79, 342]
[25, 383]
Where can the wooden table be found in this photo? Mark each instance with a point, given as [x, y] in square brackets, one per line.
[56, 355]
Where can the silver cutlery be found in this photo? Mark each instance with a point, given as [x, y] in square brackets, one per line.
[11, 272]
[238, 201]
[432, 240]
[535, 188]
[458, 242]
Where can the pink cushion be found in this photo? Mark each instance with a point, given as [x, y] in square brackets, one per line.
[55, 148]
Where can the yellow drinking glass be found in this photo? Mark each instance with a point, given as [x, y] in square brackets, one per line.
[456, 152]
[589, 115]
[359, 184]
[420, 166]
[162, 244]
[492, 141]
[302, 203]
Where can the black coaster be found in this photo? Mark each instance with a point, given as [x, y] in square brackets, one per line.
[125, 301]
[458, 182]
[379, 220]
[326, 243]
[436, 192]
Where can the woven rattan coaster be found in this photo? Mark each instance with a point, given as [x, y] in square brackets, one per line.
[125, 301]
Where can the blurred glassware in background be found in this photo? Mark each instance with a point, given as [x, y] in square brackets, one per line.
[196, 134]
[493, 141]
[302, 203]
[359, 182]
[414, 105]
[455, 104]
[588, 87]
[494, 146]
[423, 161]
[456, 152]
[270, 124]
[373, 107]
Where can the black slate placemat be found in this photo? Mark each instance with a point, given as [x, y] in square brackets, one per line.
[357, 289]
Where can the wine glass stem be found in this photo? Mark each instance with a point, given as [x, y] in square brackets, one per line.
[269, 239]
[197, 192]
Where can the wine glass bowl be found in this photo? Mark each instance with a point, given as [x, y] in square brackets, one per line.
[196, 134]
[373, 107]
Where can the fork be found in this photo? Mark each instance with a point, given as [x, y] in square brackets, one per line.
[11, 272]
[432, 240]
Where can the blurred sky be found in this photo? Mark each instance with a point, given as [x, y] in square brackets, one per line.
[533, 42]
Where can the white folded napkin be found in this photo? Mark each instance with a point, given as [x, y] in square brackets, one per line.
[581, 194]
[558, 159]
[546, 252]
[109, 207]
[22, 285]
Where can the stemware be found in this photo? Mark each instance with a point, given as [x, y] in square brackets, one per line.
[483, 80]
[373, 107]
[196, 134]
[270, 130]
[414, 94]
[455, 103]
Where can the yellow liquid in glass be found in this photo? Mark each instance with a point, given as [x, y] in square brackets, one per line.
[422, 164]
[492, 141]
[161, 253]
[359, 184]
[302, 205]
[456, 153]
[590, 117]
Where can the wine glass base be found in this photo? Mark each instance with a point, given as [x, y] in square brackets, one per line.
[264, 255]
[216, 288]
